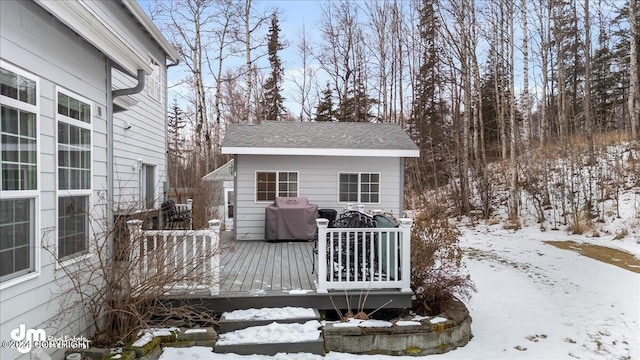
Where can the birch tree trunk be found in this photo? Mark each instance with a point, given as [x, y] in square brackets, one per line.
[634, 92]
[248, 61]
[513, 183]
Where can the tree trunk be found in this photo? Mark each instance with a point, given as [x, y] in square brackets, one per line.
[634, 91]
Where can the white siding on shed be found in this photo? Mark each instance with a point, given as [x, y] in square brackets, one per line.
[318, 181]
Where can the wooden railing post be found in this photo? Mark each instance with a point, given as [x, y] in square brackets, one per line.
[322, 255]
[214, 229]
[405, 226]
[190, 208]
[135, 238]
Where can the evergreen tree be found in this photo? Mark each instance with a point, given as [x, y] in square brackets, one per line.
[273, 99]
[176, 123]
[356, 106]
[325, 111]
[428, 125]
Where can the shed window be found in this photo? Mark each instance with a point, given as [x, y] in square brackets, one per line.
[271, 184]
[359, 187]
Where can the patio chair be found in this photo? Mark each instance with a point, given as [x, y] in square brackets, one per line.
[174, 218]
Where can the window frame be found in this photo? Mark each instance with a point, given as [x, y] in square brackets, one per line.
[33, 195]
[360, 183]
[154, 83]
[277, 182]
[63, 193]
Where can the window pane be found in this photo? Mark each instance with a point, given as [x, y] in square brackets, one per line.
[9, 117]
[21, 258]
[8, 83]
[74, 108]
[10, 177]
[6, 263]
[27, 91]
[72, 225]
[27, 124]
[16, 243]
[63, 104]
[10, 148]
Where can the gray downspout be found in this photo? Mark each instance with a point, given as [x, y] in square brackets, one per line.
[112, 94]
[129, 91]
[110, 191]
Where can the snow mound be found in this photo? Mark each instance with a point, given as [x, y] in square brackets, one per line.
[288, 312]
[273, 333]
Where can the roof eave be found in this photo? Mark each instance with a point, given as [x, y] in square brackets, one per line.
[146, 22]
[241, 150]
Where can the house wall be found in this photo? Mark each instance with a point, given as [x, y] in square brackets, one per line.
[32, 40]
[317, 180]
[146, 139]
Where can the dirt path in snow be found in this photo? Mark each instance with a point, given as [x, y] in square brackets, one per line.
[607, 255]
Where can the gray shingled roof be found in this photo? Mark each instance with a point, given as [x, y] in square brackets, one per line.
[319, 135]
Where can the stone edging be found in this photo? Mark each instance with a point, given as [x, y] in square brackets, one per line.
[415, 340]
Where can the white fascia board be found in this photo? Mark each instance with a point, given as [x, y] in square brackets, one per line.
[320, 152]
[78, 17]
[142, 17]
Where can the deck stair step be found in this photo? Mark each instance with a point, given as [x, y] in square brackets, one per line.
[270, 331]
[242, 319]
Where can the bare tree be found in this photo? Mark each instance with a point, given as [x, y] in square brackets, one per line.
[304, 80]
[634, 89]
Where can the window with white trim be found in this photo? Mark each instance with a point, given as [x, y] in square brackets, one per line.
[154, 81]
[359, 187]
[271, 184]
[19, 171]
[74, 174]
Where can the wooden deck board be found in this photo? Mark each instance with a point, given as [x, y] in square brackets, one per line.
[258, 266]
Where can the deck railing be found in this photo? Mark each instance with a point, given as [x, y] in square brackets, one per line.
[364, 258]
[189, 256]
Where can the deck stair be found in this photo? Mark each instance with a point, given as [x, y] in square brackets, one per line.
[274, 327]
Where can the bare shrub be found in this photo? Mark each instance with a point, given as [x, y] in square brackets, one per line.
[437, 274]
[118, 285]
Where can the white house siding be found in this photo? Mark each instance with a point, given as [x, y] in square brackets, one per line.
[145, 140]
[317, 180]
[32, 40]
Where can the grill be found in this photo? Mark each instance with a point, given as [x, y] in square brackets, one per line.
[290, 218]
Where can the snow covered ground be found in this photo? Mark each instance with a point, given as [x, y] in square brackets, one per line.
[534, 301]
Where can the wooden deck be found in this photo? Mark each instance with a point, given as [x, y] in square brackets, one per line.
[256, 274]
[260, 267]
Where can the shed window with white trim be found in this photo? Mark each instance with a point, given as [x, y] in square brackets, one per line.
[271, 184]
[74, 174]
[19, 171]
[359, 187]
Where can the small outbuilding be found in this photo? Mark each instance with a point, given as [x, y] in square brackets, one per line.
[222, 197]
[332, 164]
